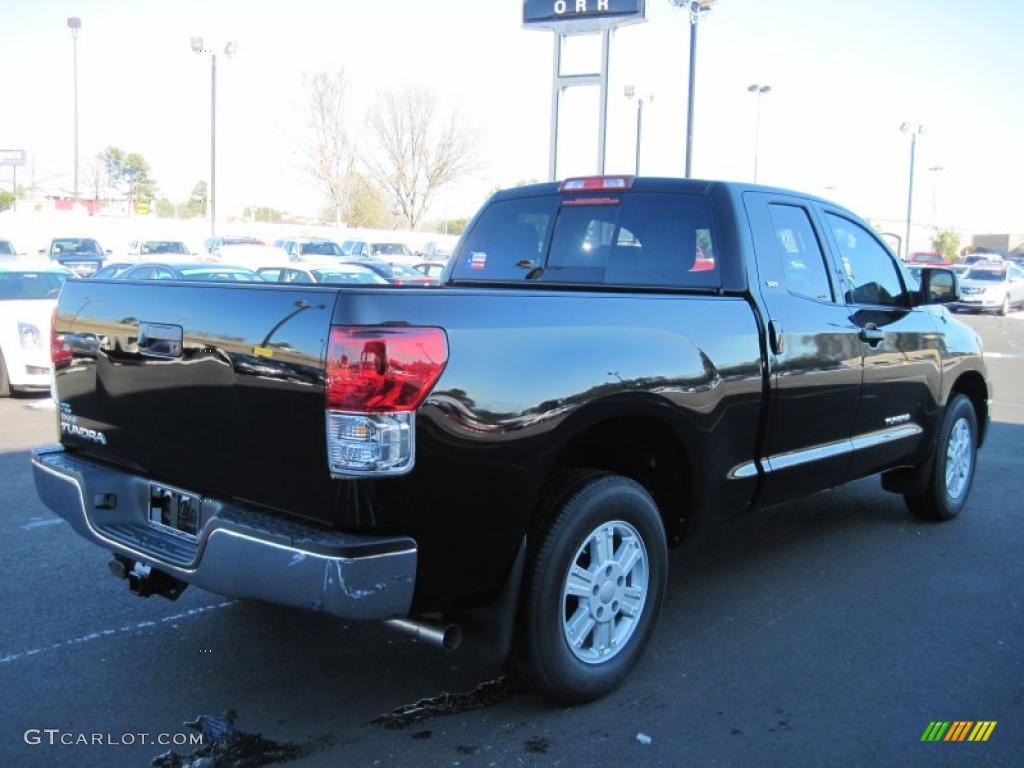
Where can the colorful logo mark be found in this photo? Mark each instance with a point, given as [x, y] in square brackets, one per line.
[959, 730]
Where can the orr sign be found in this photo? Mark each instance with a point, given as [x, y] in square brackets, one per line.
[579, 15]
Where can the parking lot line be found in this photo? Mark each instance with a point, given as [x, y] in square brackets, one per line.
[41, 523]
[140, 626]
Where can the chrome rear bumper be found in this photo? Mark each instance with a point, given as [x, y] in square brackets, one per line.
[239, 551]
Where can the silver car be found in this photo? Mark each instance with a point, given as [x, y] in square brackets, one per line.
[992, 288]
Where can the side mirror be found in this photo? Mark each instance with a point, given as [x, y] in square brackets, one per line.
[939, 286]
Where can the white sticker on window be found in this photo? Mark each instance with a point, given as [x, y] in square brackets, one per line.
[477, 260]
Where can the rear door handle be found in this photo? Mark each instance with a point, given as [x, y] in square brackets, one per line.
[872, 334]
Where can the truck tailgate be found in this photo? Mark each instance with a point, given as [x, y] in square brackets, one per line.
[200, 385]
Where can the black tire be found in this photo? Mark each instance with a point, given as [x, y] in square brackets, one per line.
[1004, 308]
[5, 382]
[937, 503]
[541, 655]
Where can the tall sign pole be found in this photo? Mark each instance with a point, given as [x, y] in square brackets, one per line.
[581, 17]
[75, 24]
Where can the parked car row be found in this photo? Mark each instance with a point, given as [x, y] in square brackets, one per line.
[327, 271]
[85, 255]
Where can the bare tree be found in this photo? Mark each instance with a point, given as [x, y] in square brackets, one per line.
[329, 156]
[418, 151]
[97, 178]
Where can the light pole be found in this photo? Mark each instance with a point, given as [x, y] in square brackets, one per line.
[697, 8]
[914, 131]
[631, 94]
[935, 170]
[229, 50]
[75, 24]
[758, 90]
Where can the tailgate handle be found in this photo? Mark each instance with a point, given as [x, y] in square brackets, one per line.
[159, 340]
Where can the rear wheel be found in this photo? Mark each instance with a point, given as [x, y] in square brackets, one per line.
[953, 467]
[594, 583]
[5, 382]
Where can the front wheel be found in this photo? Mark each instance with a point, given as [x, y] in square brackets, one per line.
[1004, 308]
[594, 584]
[954, 464]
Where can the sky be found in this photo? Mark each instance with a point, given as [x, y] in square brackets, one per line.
[844, 76]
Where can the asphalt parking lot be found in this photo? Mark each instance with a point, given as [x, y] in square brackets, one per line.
[828, 632]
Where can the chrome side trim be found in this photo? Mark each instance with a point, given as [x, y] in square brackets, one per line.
[824, 451]
[871, 439]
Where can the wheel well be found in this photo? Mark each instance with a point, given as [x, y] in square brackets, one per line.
[640, 448]
[972, 384]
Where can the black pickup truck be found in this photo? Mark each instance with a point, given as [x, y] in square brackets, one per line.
[610, 364]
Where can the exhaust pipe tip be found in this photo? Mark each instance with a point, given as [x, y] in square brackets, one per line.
[452, 638]
[448, 637]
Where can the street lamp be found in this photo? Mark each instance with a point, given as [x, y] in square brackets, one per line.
[75, 24]
[697, 8]
[935, 170]
[758, 90]
[913, 131]
[631, 94]
[229, 50]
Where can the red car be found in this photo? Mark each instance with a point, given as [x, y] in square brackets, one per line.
[928, 257]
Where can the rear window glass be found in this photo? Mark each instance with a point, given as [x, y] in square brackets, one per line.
[640, 238]
[325, 248]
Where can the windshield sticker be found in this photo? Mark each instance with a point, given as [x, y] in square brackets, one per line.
[478, 260]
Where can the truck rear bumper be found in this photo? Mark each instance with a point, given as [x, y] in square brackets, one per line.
[239, 551]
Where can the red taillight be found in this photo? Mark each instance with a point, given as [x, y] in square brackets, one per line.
[375, 370]
[592, 183]
[60, 352]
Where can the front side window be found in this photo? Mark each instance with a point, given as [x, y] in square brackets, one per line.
[296, 276]
[871, 274]
[270, 275]
[803, 261]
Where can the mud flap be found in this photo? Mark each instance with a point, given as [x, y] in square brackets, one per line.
[488, 630]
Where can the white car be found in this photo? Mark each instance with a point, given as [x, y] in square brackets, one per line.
[991, 287]
[8, 251]
[28, 296]
[158, 250]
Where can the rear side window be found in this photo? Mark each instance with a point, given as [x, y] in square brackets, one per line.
[649, 239]
[802, 259]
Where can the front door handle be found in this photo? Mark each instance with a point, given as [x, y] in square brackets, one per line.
[872, 334]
